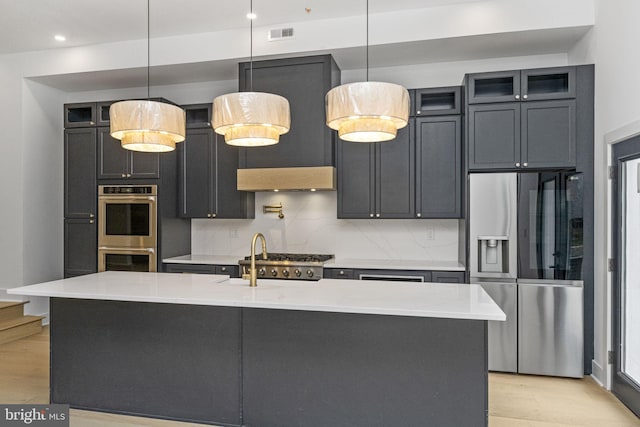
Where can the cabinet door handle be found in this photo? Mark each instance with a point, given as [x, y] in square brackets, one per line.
[525, 97]
[208, 215]
[518, 164]
[91, 221]
[525, 164]
[418, 112]
[214, 215]
[91, 216]
[517, 96]
[377, 215]
[370, 215]
[223, 269]
[124, 175]
[128, 175]
[419, 215]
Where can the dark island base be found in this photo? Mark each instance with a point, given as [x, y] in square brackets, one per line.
[262, 368]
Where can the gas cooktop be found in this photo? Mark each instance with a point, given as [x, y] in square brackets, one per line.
[287, 266]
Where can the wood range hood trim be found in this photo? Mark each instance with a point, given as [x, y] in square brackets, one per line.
[287, 179]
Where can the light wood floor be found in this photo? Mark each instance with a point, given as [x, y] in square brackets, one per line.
[514, 400]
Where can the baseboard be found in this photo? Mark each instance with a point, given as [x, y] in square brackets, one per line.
[4, 296]
[597, 373]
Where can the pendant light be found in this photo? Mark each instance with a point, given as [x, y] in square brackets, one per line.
[251, 119]
[145, 125]
[367, 111]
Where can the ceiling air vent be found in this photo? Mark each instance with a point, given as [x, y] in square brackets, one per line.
[280, 34]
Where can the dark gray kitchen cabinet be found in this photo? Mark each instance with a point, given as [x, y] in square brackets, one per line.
[208, 178]
[80, 247]
[438, 101]
[80, 202]
[436, 276]
[80, 115]
[377, 180]
[447, 276]
[114, 162]
[338, 273]
[304, 82]
[539, 134]
[522, 85]
[439, 172]
[493, 136]
[198, 115]
[230, 270]
[548, 133]
[80, 187]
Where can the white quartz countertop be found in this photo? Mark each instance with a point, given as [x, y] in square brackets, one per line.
[395, 264]
[442, 300]
[385, 264]
[204, 259]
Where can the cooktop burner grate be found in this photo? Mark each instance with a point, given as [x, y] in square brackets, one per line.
[292, 257]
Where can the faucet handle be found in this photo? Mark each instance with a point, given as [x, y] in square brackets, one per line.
[246, 277]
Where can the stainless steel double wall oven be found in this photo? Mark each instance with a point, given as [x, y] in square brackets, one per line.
[127, 227]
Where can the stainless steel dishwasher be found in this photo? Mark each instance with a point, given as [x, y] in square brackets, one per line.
[550, 323]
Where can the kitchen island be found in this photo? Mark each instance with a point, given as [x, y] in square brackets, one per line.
[206, 349]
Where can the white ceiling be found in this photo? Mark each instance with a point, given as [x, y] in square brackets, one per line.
[27, 25]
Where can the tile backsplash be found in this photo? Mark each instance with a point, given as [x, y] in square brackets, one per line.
[310, 226]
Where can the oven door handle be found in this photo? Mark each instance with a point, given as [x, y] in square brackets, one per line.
[127, 199]
[112, 249]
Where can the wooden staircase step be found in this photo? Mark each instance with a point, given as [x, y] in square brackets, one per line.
[21, 327]
[11, 310]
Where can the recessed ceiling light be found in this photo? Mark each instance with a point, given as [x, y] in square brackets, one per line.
[60, 37]
[251, 15]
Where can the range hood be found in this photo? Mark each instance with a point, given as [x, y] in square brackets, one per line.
[287, 179]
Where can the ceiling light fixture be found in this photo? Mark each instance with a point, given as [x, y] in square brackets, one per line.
[59, 38]
[146, 125]
[251, 119]
[367, 111]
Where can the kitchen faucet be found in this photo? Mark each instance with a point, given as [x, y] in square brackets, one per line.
[253, 274]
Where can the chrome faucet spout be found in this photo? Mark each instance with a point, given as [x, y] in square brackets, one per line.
[253, 273]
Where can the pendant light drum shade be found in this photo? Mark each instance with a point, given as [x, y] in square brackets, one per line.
[148, 126]
[367, 111]
[251, 119]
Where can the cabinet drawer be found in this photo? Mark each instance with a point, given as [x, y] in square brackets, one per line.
[190, 268]
[338, 273]
[230, 270]
[447, 276]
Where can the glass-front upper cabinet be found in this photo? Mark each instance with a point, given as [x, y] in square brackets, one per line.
[522, 85]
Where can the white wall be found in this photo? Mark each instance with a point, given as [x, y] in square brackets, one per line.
[612, 46]
[11, 148]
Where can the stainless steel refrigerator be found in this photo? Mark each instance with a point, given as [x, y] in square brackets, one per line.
[525, 250]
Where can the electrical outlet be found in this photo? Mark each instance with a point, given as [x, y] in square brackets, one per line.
[430, 233]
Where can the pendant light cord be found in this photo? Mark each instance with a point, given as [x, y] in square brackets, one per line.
[148, 50]
[367, 40]
[251, 46]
